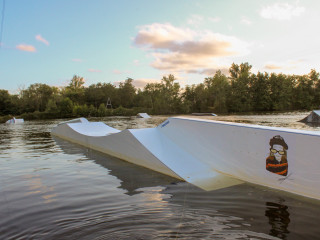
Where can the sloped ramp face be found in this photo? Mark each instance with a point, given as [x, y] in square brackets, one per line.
[145, 147]
[187, 166]
[121, 144]
[313, 117]
[279, 158]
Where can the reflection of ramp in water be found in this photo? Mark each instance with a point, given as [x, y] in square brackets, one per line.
[132, 176]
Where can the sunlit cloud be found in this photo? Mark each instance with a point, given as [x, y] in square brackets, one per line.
[41, 39]
[136, 62]
[282, 11]
[77, 60]
[246, 21]
[214, 19]
[288, 67]
[26, 48]
[195, 20]
[139, 83]
[116, 71]
[94, 70]
[184, 50]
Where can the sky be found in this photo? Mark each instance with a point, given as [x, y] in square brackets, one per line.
[109, 41]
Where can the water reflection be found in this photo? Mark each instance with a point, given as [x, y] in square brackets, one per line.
[171, 208]
[54, 189]
[279, 219]
[131, 176]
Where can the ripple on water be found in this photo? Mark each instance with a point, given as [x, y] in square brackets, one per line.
[52, 189]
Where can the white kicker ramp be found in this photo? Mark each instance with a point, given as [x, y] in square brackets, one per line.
[211, 154]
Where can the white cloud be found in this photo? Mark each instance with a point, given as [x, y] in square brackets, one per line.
[41, 39]
[214, 19]
[246, 21]
[195, 20]
[77, 60]
[282, 11]
[288, 67]
[26, 48]
[139, 83]
[94, 70]
[116, 71]
[184, 50]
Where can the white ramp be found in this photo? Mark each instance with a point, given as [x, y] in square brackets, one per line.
[211, 154]
[143, 115]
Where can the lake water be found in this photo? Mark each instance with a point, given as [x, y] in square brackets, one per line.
[53, 189]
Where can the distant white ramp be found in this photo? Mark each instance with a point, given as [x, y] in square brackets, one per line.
[143, 115]
[212, 154]
[15, 120]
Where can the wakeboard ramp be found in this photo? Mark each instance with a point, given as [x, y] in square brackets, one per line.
[211, 154]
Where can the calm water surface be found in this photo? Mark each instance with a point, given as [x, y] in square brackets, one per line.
[53, 189]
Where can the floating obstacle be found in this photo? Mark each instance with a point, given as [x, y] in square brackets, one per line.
[313, 117]
[143, 115]
[211, 154]
[14, 120]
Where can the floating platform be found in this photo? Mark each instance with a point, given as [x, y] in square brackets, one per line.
[14, 120]
[143, 115]
[313, 117]
[211, 154]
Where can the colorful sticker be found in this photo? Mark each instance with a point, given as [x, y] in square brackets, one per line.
[277, 161]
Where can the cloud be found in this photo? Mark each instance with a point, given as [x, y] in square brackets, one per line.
[214, 19]
[289, 66]
[26, 48]
[272, 66]
[116, 71]
[41, 39]
[245, 21]
[94, 70]
[184, 50]
[195, 20]
[139, 83]
[77, 60]
[281, 11]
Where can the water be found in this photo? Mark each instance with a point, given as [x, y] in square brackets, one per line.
[53, 189]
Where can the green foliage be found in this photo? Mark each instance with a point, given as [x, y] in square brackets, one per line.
[218, 92]
[65, 107]
[5, 102]
[52, 106]
[241, 91]
[127, 93]
[260, 92]
[240, 99]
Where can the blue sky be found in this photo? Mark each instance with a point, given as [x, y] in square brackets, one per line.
[109, 41]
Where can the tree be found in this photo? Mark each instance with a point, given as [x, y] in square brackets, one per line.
[127, 93]
[240, 99]
[5, 102]
[65, 107]
[36, 97]
[75, 90]
[218, 91]
[281, 88]
[260, 92]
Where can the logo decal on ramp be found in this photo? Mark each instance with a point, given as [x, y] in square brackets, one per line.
[277, 161]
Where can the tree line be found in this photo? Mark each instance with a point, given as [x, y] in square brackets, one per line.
[240, 91]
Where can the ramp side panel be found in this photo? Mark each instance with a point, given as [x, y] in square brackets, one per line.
[242, 151]
[122, 145]
[181, 162]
